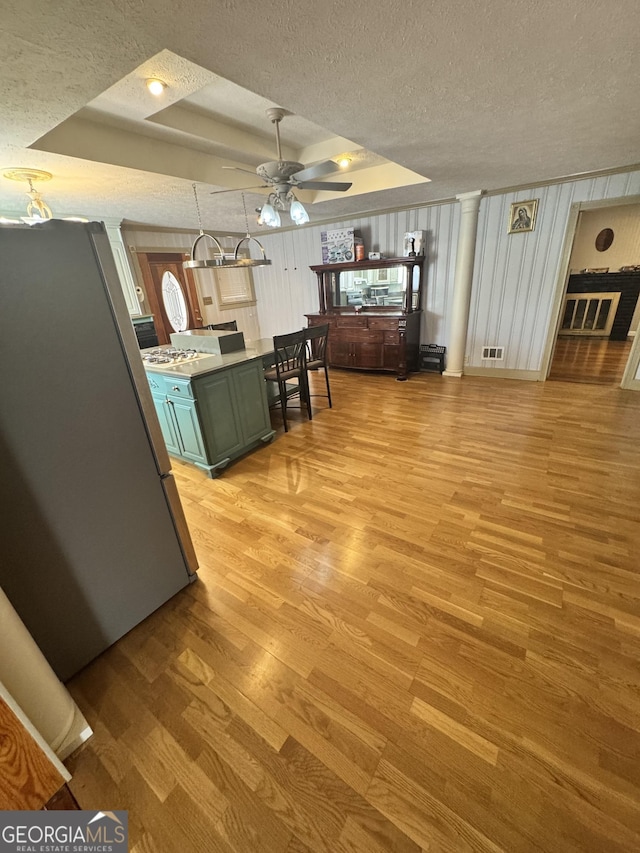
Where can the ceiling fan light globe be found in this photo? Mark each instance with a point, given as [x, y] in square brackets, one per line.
[298, 213]
[270, 215]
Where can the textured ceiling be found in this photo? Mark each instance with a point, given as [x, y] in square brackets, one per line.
[470, 96]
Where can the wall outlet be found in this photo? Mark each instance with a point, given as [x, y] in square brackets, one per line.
[207, 300]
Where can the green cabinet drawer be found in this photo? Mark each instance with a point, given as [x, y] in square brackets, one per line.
[178, 387]
[172, 386]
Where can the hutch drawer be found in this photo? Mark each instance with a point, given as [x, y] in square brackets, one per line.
[351, 321]
[384, 323]
[359, 335]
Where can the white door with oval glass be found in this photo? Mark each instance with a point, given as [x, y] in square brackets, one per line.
[174, 302]
[171, 292]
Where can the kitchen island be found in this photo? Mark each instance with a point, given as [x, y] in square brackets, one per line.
[213, 408]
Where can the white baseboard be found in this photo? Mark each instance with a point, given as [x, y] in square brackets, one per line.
[503, 373]
[78, 733]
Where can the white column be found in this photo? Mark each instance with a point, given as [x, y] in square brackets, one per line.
[469, 206]
[26, 674]
[127, 279]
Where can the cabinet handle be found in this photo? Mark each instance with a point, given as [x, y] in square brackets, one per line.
[175, 388]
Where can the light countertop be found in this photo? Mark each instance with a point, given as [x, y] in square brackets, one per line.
[210, 362]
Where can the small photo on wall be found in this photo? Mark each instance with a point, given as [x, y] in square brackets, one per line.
[522, 216]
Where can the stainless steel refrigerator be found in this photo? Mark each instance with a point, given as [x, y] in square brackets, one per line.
[92, 533]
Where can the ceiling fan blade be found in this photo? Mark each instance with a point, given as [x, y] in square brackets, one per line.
[239, 169]
[329, 186]
[328, 167]
[239, 189]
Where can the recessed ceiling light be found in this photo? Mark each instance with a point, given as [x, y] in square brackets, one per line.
[155, 86]
[343, 162]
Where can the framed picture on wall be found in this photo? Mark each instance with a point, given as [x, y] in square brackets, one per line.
[522, 216]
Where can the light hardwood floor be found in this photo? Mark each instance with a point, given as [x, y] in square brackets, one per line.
[416, 628]
[593, 360]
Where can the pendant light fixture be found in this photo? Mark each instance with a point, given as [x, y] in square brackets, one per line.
[220, 260]
[37, 210]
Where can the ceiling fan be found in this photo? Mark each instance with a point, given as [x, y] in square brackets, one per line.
[283, 176]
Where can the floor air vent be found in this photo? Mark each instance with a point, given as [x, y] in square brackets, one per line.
[493, 353]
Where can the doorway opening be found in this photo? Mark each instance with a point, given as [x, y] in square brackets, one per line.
[597, 307]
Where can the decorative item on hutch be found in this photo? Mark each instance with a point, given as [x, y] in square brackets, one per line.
[338, 246]
[414, 243]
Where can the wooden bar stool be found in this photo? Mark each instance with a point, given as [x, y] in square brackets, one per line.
[316, 338]
[290, 364]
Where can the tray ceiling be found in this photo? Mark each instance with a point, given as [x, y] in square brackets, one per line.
[450, 98]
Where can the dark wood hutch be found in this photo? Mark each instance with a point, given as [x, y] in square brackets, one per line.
[373, 309]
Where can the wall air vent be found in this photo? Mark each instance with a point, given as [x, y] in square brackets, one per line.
[493, 353]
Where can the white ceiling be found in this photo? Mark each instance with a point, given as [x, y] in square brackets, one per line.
[431, 99]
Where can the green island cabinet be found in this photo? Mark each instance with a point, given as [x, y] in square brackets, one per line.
[213, 416]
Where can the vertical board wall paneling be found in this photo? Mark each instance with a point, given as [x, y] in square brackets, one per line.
[515, 275]
[285, 296]
[286, 290]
